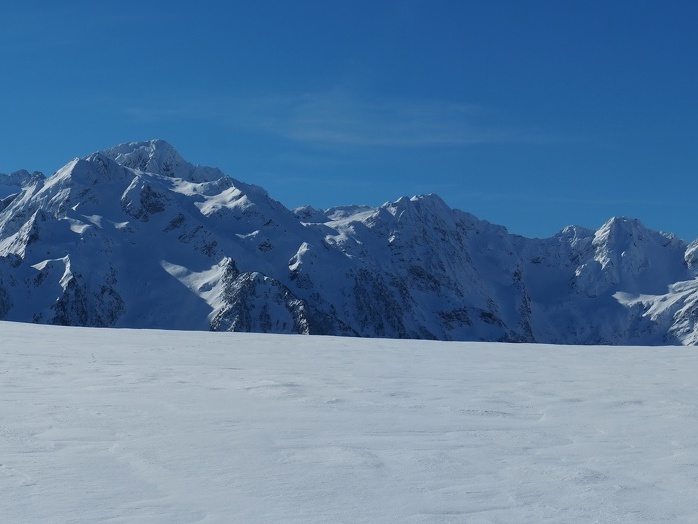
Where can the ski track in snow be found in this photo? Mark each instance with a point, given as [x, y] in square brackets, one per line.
[127, 426]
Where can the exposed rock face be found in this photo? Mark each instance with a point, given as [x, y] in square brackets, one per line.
[135, 236]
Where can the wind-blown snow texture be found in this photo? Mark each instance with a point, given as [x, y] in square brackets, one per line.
[121, 426]
[135, 236]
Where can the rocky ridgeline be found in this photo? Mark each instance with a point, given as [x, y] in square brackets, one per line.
[135, 236]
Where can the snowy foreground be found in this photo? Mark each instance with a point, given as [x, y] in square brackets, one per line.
[163, 426]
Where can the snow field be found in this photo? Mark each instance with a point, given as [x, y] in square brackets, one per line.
[124, 426]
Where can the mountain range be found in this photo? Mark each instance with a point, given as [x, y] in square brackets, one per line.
[135, 236]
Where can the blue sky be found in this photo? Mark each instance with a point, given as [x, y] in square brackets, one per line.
[534, 115]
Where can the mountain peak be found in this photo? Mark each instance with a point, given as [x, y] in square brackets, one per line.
[158, 156]
[624, 233]
[154, 156]
[20, 178]
[622, 224]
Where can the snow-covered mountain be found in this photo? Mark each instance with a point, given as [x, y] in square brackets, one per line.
[135, 236]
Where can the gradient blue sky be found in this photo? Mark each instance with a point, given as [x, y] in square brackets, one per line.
[533, 115]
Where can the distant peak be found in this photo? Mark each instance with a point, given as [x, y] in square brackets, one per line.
[575, 232]
[623, 227]
[419, 204]
[20, 178]
[431, 200]
[156, 156]
[151, 146]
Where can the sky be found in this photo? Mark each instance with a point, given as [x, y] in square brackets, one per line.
[533, 115]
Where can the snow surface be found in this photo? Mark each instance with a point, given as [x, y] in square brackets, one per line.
[100, 425]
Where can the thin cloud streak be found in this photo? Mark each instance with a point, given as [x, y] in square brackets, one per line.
[533, 198]
[341, 119]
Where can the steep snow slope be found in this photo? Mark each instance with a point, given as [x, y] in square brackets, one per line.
[102, 425]
[423, 264]
[135, 236]
[108, 244]
[580, 282]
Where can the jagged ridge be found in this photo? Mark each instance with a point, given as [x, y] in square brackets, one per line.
[135, 236]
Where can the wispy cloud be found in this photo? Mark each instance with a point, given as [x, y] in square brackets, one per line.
[455, 191]
[343, 119]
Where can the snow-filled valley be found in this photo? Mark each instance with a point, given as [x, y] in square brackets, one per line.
[107, 425]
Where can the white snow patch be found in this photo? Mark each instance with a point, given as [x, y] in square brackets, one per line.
[77, 226]
[94, 219]
[202, 282]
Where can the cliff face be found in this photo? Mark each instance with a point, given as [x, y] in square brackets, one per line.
[135, 236]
